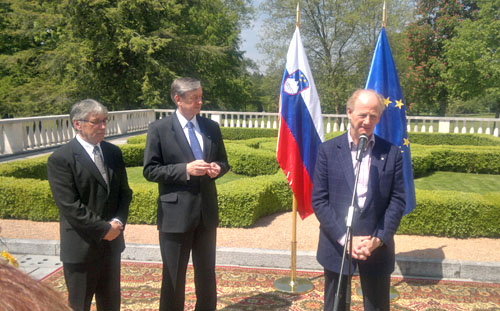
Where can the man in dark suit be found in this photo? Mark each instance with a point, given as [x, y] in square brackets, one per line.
[380, 203]
[90, 187]
[185, 154]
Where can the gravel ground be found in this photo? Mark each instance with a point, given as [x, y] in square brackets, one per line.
[275, 232]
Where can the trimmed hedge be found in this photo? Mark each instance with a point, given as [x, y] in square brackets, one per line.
[244, 201]
[453, 139]
[27, 199]
[27, 168]
[241, 202]
[250, 161]
[453, 214]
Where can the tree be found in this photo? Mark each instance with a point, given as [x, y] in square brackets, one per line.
[123, 53]
[473, 57]
[338, 36]
[437, 21]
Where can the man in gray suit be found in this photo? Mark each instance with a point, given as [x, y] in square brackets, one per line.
[185, 154]
[90, 187]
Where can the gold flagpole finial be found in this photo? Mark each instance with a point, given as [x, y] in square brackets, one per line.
[298, 14]
[384, 16]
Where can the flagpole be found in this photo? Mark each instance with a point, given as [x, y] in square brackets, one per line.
[291, 284]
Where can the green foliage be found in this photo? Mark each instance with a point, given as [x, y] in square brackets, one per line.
[453, 214]
[27, 168]
[249, 161]
[140, 139]
[473, 60]
[122, 53]
[244, 201]
[466, 159]
[238, 133]
[133, 155]
[424, 86]
[453, 139]
[27, 199]
[144, 204]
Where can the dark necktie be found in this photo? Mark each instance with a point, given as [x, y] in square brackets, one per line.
[100, 163]
[195, 144]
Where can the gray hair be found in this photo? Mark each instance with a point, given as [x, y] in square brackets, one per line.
[354, 98]
[86, 107]
[182, 86]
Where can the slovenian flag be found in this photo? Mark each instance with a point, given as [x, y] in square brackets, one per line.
[383, 78]
[301, 126]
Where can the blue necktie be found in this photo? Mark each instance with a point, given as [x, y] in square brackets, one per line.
[195, 144]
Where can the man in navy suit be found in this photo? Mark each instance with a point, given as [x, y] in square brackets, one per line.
[90, 187]
[185, 154]
[379, 203]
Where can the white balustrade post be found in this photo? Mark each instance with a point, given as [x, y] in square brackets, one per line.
[215, 117]
[121, 123]
[342, 126]
[480, 129]
[444, 126]
[13, 137]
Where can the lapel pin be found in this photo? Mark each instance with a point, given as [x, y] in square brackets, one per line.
[382, 158]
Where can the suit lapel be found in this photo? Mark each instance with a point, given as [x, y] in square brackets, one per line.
[346, 161]
[207, 138]
[84, 159]
[378, 160]
[106, 153]
[181, 139]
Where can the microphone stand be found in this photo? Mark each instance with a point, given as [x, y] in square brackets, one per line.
[349, 225]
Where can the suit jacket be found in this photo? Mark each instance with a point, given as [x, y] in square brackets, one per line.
[183, 203]
[332, 194]
[85, 203]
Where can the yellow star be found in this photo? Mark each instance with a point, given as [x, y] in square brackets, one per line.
[387, 101]
[406, 142]
[399, 103]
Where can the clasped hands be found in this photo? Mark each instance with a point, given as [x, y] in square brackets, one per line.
[363, 246]
[114, 231]
[200, 168]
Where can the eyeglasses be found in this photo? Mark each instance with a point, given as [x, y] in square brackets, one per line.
[96, 122]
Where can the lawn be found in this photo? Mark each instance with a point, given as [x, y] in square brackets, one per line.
[135, 176]
[476, 183]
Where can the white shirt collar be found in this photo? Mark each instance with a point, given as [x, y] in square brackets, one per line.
[183, 121]
[87, 146]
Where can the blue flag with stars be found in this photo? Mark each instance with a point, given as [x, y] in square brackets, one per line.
[383, 78]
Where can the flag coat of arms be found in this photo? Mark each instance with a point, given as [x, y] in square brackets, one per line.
[301, 125]
[383, 78]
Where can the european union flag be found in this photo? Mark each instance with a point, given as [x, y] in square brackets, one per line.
[383, 78]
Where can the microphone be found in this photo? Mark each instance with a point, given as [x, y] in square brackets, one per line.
[363, 139]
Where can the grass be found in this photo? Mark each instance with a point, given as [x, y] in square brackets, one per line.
[463, 182]
[135, 176]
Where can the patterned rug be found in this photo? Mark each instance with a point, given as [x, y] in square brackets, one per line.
[252, 289]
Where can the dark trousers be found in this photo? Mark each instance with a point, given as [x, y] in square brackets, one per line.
[175, 249]
[376, 291]
[100, 277]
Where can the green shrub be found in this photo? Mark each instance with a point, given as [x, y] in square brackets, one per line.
[453, 139]
[249, 161]
[27, 199]
[244, 201]
[133, 155]
[238, 133]
[453, 214]
[140, 139]
[27, 168]
[144, 204]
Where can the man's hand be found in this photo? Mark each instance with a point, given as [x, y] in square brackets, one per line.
[114, 231]
[214, 170]
[363, 246]
[197, 168]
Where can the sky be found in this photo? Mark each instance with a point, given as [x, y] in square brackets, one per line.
[250, 38]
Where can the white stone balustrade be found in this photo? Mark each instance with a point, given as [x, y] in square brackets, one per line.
[36, 133]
